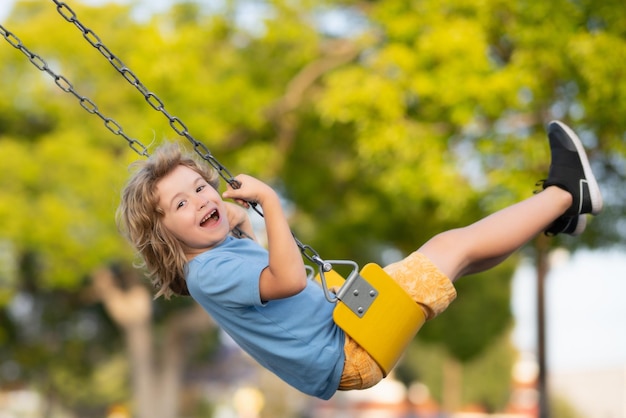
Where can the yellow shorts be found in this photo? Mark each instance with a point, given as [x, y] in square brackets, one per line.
[426, 285]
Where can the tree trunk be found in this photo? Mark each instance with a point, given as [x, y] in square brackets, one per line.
[542, 266]
[188, 321]
[452, 385]
[131, 309]
[139, 344]
[156, 387]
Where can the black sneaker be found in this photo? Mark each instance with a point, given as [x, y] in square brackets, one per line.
[570, 171]
[571, 225]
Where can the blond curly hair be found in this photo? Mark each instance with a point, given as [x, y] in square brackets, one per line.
[140, 218]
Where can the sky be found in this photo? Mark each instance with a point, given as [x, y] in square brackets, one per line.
[144, 5]
[585, 310]
[5, 8]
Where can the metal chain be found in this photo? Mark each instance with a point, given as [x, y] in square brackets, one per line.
[153, 100]
[175, 123]
[65, 85]
[86, 103]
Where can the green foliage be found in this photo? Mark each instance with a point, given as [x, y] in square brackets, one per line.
[427, 117]
[478, 316]
[90, 394]
[560, 408]
[484, 380]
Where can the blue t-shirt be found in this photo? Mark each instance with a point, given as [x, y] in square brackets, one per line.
[295, 338]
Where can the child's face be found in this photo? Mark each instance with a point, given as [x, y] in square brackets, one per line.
[194, 211]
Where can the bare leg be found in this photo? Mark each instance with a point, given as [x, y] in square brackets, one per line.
[488, 242]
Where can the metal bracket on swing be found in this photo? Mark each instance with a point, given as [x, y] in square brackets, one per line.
[356, 292]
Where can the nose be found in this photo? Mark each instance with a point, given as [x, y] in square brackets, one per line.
[201, 202]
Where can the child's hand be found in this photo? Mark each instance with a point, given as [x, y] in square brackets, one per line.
[252, 190]
[236, 214]
[285, 274]
[238, 218]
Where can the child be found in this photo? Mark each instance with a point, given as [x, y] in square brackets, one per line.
[178, 222]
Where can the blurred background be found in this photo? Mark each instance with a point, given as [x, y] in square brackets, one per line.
[381, 123]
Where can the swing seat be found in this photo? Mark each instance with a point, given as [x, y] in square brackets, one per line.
[385, 322]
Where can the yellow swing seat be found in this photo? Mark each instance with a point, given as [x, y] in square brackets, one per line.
[377, 313]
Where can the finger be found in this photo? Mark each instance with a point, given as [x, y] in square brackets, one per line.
[243, 203]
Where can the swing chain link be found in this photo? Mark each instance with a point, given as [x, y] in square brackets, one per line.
[153, 100]
[313, 256]
[64, 84]
[175, 123]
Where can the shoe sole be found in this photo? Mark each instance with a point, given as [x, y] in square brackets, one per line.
[580, 226]
[594, 190]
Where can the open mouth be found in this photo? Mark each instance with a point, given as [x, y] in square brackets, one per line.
[210, 218]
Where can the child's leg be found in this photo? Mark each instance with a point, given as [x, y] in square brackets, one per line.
[488, 242]
[571, 190]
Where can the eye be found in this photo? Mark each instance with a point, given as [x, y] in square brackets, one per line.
[200, 188]
[180, 204]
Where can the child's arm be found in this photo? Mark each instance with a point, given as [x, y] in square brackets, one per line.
[285, 276]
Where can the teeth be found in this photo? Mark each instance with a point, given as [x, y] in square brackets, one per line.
[209, 216]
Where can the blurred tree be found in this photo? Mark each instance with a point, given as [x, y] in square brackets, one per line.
[485, 379]
[396, 121]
